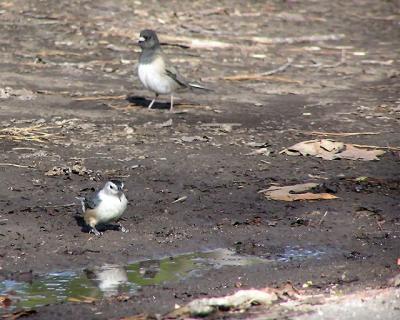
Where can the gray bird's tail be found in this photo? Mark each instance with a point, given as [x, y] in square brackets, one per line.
[197, 86]
[82, 201]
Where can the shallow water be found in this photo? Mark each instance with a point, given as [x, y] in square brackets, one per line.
[110, 280]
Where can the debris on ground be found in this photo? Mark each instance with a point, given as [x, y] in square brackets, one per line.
[330, 150]
[76, 168]
[295, 192]
[241, 300]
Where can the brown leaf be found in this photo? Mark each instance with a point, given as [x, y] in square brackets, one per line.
[329, 150]
[82, 299]
[5, 301]
[18, 314]
[295, 193]
[354, 153]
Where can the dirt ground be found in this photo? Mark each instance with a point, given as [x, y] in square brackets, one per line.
[73, 114]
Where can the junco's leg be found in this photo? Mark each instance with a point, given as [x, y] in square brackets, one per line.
[95, 231]
[92, 222]
[152, 102]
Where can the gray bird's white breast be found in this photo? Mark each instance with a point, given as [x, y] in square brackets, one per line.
[111, 207]
[153, 77]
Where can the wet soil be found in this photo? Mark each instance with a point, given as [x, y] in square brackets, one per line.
[73, 114]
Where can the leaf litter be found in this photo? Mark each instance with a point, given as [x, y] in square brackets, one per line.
[296, 192]
[330, 150]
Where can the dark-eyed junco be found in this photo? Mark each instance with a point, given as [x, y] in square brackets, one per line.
[156, 72]
[107, 204]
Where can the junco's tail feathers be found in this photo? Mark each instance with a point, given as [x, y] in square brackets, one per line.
[172, 73]
[197, 86]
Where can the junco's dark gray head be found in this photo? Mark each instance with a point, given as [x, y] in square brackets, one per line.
[114, 188]
[117, 184]
[148, 39]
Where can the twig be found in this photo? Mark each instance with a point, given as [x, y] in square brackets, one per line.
[376, 147]
[323, 217]
[15, 165]
[34, 133]
[291, 40]
[281, 68]
[339, 134]
[261, 76]
[181, 199]
[320, 65]
[58, 205]
[91, 98]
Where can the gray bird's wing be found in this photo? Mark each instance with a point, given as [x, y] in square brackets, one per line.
[92, 202]
[174, 74]
[171, 72]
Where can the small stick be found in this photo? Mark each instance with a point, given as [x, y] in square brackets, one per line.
[323, 217]
[92, 98]
[15, 165]
[281, 68]
[290, 40]
[341, 134]
[58, 205]
[376, 147]
[261, 76]
[181, 199]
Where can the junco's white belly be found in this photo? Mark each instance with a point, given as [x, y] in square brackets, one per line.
[110, 208]
[153, 77]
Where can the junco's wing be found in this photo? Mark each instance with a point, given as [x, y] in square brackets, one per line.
[92, 202]
[172, 73]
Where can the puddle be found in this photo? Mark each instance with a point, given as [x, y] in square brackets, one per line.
[110, 280]
[297, 253]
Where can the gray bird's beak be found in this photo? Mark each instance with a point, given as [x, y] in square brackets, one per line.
[141, 39]
[119, 194]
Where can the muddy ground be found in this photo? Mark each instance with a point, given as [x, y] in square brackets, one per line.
[68, 80]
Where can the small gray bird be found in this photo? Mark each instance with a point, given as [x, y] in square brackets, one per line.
[156, 72]
[104, 206]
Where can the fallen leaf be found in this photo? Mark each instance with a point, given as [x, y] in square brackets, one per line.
[18, 314]
[82, 299]
[295, 193]
[354, 153]
[5, 301]
[330, 150]
[241, 300]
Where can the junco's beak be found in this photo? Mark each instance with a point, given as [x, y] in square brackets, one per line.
[119, 194]
[141, 39]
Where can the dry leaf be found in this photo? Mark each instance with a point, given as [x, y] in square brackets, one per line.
[82, 299]
[354, 153]
[18, 314]
[242, 300]
[5, 301]
[329, 150]
[295, 193]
